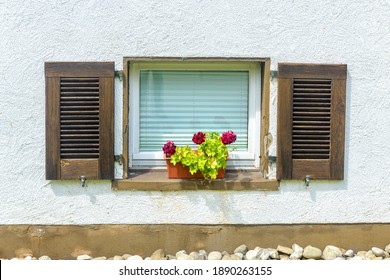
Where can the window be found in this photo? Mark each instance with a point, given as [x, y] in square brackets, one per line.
[171, 99]
[174, 100]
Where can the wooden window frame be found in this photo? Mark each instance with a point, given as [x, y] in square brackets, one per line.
[248, 159]
[264, 92]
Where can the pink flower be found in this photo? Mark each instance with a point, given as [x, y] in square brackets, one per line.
[169, 148]
[228, 137]
[199, 138]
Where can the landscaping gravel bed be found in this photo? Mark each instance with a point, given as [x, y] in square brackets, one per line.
[242, 252]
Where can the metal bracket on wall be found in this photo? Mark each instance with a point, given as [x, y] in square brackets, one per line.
[83, 180]
[272, 159]
[119, 159]
[273, 74]
[307, 181]
[119, 74]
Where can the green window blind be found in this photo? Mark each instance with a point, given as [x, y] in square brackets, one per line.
[176, 104]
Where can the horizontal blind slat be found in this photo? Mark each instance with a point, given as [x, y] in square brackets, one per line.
[176, 104]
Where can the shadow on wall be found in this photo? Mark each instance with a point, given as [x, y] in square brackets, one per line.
[73, 188]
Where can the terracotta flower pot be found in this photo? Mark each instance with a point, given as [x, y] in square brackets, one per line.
[179, 171]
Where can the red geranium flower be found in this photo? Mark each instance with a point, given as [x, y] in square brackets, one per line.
[199, 138]
[228, 137]
[169, 148]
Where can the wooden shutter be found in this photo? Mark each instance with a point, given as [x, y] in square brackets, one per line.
[311, 120]
[79, 120]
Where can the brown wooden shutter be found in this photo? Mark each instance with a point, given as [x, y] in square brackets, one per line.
[79, 120]
[311, 120]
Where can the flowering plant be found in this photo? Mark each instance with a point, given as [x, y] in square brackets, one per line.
[211, 155]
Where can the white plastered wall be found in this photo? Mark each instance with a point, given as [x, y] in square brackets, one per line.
[355, 33]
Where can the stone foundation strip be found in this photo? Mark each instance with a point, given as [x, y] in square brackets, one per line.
[71, 241]
[242, 252]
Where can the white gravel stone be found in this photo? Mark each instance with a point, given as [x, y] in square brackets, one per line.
[118, 258]
[284, 257]
[196, 256]
[224, 253]
[273, 254]
[135, 258]
[387, 248]
[370, 255]
[171, 257]
[240, 255]
[253, 254]
[243, 249]
[361, 253]
[183, 256]
[297, 248]
[126, 256]
[284, 250]
[378, 252]
[264, 254]
[158, 255]
[297, 252]
[44, 258]
[349, 253]
[84, 257]
[203, 254]
[214, 255]
[228, 257]
[181, 252]
[311, 252]
[101, 259]
[295, 256]
[331, 252]
[235, 257]
[28, 258]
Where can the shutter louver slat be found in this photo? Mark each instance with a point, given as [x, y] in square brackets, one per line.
[311, 119]
[79, 114]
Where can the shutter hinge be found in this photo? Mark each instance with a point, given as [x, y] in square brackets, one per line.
[83, 180]
[307, 181]
[119, 74]
[119, 159]
[273, 74]
[271, 158]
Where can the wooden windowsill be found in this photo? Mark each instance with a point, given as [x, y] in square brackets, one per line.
[159, 181]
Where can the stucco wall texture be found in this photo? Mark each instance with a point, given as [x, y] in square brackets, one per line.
[355, 33]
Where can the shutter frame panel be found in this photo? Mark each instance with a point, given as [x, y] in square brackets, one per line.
[284, 136]
[320, 160]
[75, 92]
[52, 128]
[106, 167]
[338, 129]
